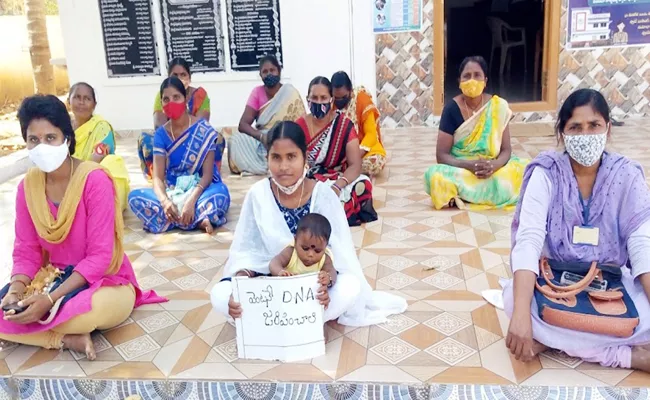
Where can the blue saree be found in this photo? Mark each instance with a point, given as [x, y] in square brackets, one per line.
[185, 156]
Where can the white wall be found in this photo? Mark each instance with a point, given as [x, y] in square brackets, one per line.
[317, 38]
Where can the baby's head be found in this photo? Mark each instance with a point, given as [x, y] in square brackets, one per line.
[312, 237]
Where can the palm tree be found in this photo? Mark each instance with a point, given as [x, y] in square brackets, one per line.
[39, 47]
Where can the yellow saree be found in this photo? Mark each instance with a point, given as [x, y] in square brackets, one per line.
[479, 137]
[96, 138]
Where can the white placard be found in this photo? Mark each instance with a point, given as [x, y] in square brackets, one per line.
[281, 318]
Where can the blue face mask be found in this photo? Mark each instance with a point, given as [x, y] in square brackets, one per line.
[319, 110]
[271, 80]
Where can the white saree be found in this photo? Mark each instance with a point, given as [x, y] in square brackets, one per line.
[262, 233]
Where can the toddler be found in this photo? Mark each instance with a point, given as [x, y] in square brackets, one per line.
[308, 253]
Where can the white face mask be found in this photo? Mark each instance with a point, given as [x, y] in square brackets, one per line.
[586, 150]
[49, 158]
[289, 190]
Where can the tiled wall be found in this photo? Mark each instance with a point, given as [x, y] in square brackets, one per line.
[405, 72]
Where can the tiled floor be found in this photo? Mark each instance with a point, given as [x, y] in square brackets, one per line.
[439, 261]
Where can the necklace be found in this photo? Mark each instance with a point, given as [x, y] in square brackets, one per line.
[171, 127]
[474, 110]
[302, 191]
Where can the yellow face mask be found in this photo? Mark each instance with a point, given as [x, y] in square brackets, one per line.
[472, 88]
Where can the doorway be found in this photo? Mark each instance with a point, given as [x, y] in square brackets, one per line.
[519, 39]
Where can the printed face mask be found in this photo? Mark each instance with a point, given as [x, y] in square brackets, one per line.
[49, 158]
[174, 110]
[472, 88]
[319, 110]
[586, 150]
[289, 190]
[271, 80]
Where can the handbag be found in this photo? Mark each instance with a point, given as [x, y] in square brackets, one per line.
[597, 303]
[47, 280]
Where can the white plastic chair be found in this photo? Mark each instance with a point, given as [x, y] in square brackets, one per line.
[501, 39]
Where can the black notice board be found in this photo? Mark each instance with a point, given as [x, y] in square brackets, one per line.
[254, 31]
[129, 40]
[192, 30]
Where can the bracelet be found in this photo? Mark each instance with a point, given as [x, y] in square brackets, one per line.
[50, 297]
[347, 182]
[329, 285]
[201, 187]
[337, 187]
[18, 281]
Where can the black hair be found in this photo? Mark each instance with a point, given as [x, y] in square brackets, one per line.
[271, 59]
[475, 59]
[49, 108]
[316, 225]
[288, 130]
[580, 98]
[179, 61]
[320, 80]
[174, 82]
[341, 79]
[76, 85]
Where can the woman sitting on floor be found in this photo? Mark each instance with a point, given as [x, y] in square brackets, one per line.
[67, 217]
[334, 155]
[476, 168]
[267, 104]
[357, 105]
[581, 206]
[187, 188]
[95, 139]
[269, 220]
[198, 105]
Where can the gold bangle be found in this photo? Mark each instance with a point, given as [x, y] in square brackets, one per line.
[50, 297]
[201, 187]
[347, 182]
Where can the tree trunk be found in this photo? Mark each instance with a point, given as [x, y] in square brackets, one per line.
[39, 47]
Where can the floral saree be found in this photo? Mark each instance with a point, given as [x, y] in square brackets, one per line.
[248, 155]
[479, 137]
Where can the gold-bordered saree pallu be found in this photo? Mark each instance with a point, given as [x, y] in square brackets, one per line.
[597, 302]
[478, 138]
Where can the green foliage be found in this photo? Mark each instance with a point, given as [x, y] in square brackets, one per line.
[17, 7]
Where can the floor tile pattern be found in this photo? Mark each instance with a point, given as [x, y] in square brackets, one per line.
[439, 262]
[175, 390]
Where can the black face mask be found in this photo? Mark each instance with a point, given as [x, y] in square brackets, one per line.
[342, 102]
[319, 110]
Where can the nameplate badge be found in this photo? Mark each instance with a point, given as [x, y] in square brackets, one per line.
[585, 235]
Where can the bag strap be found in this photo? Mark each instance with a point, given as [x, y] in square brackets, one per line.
[578, 286]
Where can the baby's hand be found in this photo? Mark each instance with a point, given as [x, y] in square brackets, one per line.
[324, 278]
[284, 272]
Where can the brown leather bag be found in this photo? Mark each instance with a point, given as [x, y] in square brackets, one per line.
[610, 312]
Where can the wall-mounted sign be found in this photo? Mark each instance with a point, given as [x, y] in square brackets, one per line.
[396, 15]
[129, 40]
[192, 30]
[254, 31]
[608, 23]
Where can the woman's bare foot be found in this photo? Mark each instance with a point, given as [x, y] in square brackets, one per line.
[81, 344]
[206, 226]
[538, 347]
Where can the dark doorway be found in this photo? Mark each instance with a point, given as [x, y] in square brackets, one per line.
[508, 34]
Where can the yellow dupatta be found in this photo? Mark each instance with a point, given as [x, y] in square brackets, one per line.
[55, 231]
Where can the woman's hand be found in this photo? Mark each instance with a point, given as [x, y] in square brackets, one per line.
[35, 308]
[520, 336]
[483, 169]
[323, 296]
[187, 215]
[234, 308]
[9, 299]
[171, 211]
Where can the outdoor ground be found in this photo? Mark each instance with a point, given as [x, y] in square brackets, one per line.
[439, 261]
